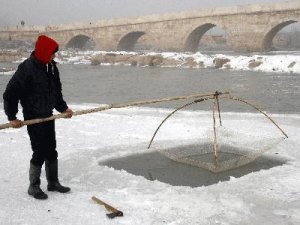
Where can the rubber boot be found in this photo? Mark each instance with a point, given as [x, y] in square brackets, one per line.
[34, 179]
[52, 177]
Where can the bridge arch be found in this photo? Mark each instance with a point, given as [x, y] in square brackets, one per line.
[193, 39]
[128, 41]
[268, 38]
[81, 41]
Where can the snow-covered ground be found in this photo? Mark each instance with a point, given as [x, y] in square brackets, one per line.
[8, 72]
[285, 62]
[269, 197]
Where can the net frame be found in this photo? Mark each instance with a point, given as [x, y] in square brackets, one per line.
[218, 166]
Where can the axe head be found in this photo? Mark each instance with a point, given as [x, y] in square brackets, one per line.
[114, 214]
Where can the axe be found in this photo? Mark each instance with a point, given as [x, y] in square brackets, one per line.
[114, 212]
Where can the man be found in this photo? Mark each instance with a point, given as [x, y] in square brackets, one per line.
[36, 84]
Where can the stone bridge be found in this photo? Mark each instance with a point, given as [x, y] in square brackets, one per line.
[248, 28]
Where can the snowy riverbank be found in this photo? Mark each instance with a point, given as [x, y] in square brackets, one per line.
[285, 62]
[264, 63]
[266, 197]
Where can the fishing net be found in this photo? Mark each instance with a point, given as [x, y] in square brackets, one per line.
[234, 150]
[221, 148]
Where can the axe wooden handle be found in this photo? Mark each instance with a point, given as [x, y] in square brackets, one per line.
[107, 206]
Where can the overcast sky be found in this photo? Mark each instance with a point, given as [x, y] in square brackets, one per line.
[64, 11]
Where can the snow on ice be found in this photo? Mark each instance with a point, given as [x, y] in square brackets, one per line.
[269, 196]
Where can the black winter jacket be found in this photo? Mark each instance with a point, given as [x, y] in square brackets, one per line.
[37, 86]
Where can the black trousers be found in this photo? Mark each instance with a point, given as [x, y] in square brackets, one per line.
[43, 142]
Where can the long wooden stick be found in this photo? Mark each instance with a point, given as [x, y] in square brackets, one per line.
[219, 110]
[214, 129]
[111, 106]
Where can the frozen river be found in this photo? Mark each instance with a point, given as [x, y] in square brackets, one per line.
[273, 92]
[95, 151]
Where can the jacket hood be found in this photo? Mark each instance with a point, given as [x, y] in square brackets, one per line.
[45, 47]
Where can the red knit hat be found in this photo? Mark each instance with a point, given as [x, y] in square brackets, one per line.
[45, 47]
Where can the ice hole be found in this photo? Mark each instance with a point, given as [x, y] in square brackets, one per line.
[156, 166]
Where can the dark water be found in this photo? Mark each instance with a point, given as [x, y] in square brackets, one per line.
[154, 166]
[273, 92]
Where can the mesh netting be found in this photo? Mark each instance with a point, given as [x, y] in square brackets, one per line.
[234, 150]
[221, 149]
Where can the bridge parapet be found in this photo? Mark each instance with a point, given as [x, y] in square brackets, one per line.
[246, 26]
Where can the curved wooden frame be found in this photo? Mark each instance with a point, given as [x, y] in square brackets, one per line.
[216, 102]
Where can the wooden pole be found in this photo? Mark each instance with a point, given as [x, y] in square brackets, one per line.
[214, 130]
[219, 110]
[111, 106]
